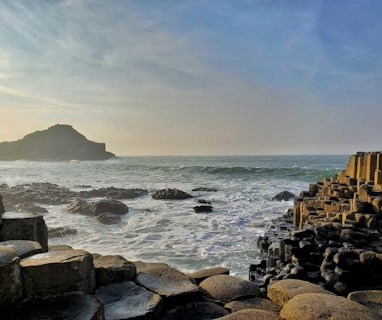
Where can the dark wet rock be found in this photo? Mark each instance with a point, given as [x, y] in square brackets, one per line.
[96, 208]
[23, 196]
[226, 288]
[23, 248]
[283, 196]
[195, 310]
[57, 272]
[109, 218]
[30, 207]
[11, 286]
[24, 226]
[170, 194]
[114, 268]
[205, 189]
[115, 193]
[202, 209]
[60, 232]
[67, 307]
[126, 300]
[203, 201]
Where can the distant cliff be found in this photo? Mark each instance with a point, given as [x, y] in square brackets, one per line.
[57, 143]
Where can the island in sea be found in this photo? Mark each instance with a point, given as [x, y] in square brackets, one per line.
[57, 143]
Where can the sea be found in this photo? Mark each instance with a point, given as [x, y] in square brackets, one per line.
[171, 231]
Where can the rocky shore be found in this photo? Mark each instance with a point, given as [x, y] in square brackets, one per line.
[323, 260]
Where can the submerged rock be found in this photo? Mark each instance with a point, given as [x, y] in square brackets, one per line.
[96, 208]
[283, 196]
[170, 194]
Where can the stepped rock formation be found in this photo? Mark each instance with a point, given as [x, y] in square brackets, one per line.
[57, 143]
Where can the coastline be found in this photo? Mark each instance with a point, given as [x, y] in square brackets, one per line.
[190, 291]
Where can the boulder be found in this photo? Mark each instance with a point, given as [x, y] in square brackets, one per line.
[283, 196]
[95, 208]
[109, 218]
[30, 207]
[251, 314]
[282, 291]
[195, 310]
[226, 288]
[24, 226]
[371, 299]
[10, 276]
[205, 189]
[60, 232]
[126, 300]
[174, 286]
[170, 194]
[23, 248]
[203, 274]
[67, 307]
[203, 208]
[312, 306]
[109, 269]
[58, 272]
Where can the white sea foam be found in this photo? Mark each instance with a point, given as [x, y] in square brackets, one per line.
[170, 231]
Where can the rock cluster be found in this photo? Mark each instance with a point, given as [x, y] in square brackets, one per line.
[333, 235]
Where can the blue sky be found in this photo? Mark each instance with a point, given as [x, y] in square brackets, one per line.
[195, 77]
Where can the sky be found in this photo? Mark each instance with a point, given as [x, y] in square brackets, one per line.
[196, 77]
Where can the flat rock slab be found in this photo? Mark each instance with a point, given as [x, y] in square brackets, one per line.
[318, 306]
[203, 274]
[371, 299]
[126, 300]
[113, 268]
[226, 288]
[57, 272]
[251, 314]
[23, 248]
[252, 303]
[24, 226]
[195, 310]
[168, 282]
[282, 291]
[69, 307]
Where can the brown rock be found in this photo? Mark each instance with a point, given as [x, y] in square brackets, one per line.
[312, 306]
[252, 303]
[251, 314]
[23, 248]
[227, 288]
[282, 291]
[203, 274]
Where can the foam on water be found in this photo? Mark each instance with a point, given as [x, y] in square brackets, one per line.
[170, 231]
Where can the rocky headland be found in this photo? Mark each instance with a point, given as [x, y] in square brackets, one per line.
[322, 260]
[57, 143]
